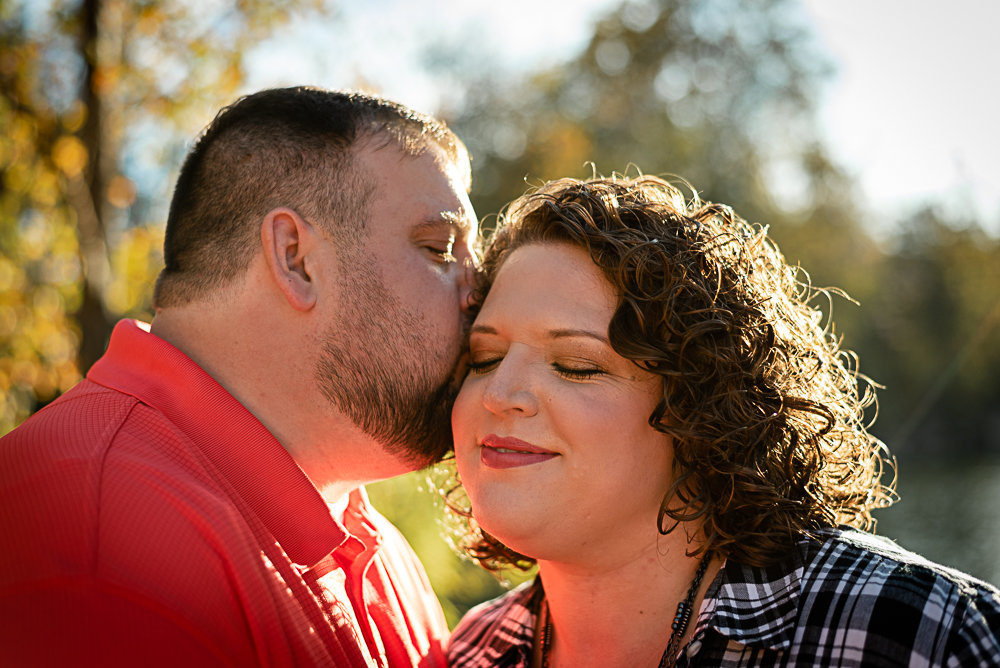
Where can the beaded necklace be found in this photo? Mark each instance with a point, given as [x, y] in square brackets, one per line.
[679, 626]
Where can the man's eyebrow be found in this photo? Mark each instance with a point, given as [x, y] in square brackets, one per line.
[552, 333]
[445, 219]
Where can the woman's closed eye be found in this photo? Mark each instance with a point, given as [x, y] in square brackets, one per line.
[483, 365]
[577, 372]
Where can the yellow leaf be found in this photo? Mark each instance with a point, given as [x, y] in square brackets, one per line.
[70, 155]
[18, 178]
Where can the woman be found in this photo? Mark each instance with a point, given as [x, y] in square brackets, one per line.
[657, 417]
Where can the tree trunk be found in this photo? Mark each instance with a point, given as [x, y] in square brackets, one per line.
[87, 198]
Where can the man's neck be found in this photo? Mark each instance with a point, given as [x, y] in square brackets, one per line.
[280, 391]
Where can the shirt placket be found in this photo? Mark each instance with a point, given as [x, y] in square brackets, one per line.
[339, 580]
[355, 557]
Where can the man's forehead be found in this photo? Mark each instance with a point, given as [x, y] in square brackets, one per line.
[455, 164]
[434, 197]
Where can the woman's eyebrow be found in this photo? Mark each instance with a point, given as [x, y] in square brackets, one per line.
[575, 333]
[482, 329]
[552, 333]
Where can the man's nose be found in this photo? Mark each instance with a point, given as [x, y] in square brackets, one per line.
[466, 283]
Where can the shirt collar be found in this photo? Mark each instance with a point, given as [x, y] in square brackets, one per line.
[750, 605]
[499, 632]
[247, 455]
[756, 606]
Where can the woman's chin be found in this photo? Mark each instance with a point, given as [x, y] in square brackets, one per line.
[539, 541]
[517, 532]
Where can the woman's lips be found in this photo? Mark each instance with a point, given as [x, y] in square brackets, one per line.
[506, 453]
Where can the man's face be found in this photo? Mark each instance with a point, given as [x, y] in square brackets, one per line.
[390, 359]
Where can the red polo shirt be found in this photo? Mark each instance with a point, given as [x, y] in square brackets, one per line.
[147, 518]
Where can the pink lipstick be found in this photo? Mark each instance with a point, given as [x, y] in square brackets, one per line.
[506, 453]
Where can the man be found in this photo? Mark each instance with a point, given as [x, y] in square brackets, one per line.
[198, 499]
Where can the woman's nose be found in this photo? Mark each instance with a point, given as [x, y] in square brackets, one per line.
[509, 389]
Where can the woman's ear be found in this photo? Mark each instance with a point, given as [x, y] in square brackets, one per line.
[286, 241]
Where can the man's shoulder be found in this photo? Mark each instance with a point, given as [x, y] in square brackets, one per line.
[111, 524]
[86, 437]
[84, 418]
[53, 464]
[97, 472]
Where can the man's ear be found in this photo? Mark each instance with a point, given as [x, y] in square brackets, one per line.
[286, 241]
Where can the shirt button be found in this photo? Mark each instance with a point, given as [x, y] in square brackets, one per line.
[693, 648]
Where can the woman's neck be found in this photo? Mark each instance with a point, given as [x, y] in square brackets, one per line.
[620, 614]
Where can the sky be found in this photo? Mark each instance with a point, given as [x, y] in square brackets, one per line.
[914, 110]
[911, 110]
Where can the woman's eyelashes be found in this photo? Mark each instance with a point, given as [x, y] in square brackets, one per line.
[569, 370]
[577, 372]
[478, 367]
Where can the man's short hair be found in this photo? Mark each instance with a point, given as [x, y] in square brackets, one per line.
[291, 147]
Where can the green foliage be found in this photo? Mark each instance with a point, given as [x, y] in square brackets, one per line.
[931, 333]
[713, 91]
[413, 504]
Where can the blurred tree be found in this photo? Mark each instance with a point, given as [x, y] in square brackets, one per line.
[931, 335]
[83, 86]
[718, 92]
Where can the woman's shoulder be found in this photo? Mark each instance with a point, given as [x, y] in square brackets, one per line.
[499, 632]
[923, 604]
[846, 597]
[848, 558]
[845, 583]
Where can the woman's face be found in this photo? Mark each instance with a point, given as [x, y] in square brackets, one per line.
[552, 439]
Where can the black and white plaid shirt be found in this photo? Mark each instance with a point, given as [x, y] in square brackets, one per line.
[846, 599]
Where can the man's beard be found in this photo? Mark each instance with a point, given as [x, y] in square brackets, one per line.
[383, 370]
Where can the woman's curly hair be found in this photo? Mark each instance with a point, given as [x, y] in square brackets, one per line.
[764, 408]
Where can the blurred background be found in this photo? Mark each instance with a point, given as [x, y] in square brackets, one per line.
[863, 134]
